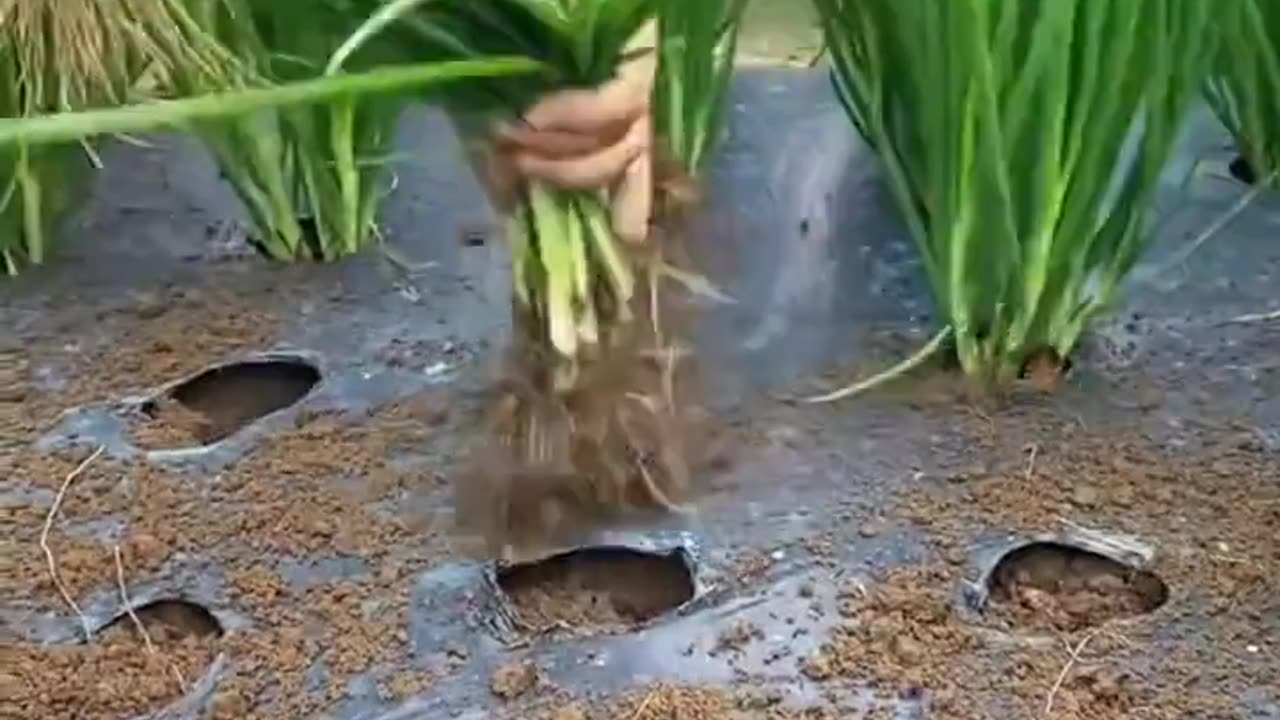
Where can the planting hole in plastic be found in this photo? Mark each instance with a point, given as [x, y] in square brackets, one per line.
[1070, 588]
[169, 620]
[1241, 170]
[598, 588]
[220, 401]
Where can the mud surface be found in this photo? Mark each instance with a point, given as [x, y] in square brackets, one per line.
[835, 549]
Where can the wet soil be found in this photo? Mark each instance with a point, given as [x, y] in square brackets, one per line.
[597, 589]
[167, 424]
[219, 402]
[1071, 589]
[278, 503]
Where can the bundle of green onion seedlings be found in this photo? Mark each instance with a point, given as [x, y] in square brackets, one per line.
[65, 55]
[1243, 87]
[1023, 142]
[571, 276]
[585, 426]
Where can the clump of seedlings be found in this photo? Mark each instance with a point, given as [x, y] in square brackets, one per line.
[589, 421]
[311, 176]
[1244, 86]
[276, 154]
[305, 152]
[59, 55]
[1024, 142]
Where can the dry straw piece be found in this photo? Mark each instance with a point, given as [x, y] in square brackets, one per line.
[52, 561]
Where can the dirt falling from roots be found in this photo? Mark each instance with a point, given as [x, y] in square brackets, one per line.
[625, 437]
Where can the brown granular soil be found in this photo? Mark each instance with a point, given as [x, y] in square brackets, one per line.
[1213, 512]
[903, 636]
[1067, 589]
[151, 343]
[116, 676]
[168, 424]
[593, 591]
[271, 507]
[306, 492]
[664, 701]
[902, 633]
[514, 679]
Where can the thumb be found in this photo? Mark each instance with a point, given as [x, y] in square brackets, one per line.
[632, 206]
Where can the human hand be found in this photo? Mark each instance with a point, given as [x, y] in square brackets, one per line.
[593, 139]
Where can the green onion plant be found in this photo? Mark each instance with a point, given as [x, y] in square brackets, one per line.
[311, 176]
[697, 46]
[54, 137]
[1023, 141]
[63, 55]
[1244, 85]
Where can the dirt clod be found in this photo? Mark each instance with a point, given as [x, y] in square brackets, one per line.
[737, 636]
[513, 680]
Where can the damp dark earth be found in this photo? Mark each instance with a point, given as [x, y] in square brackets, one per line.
[242, 473]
